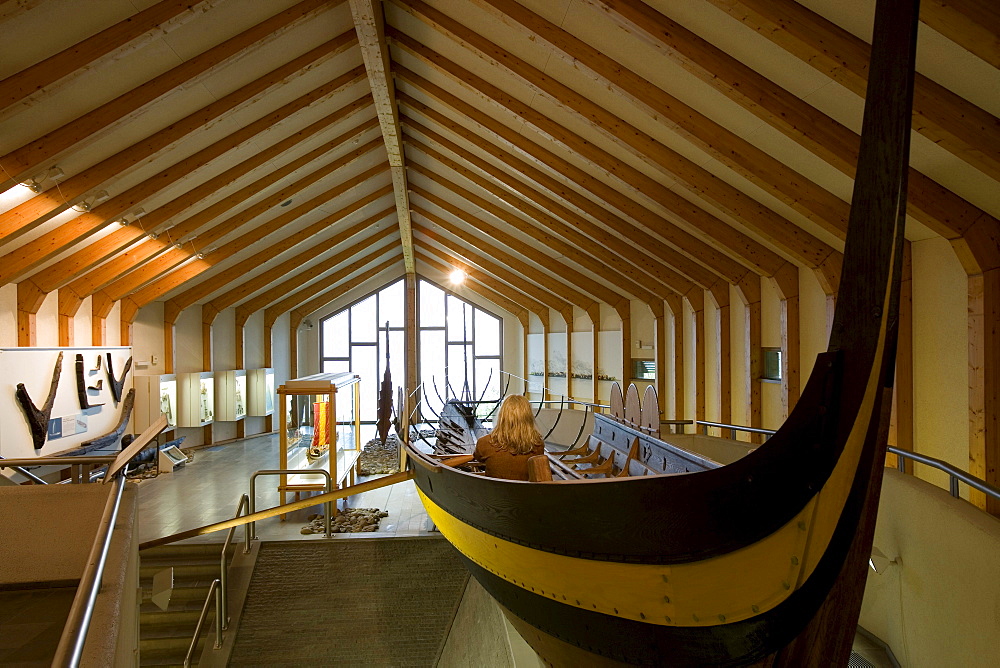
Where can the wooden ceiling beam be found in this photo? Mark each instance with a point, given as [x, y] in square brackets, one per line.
[974, 24]
[70, 268]
[697, 180]
[189, 271]
[504, 302]
[530, 275]
[505, 273]
[50, 203]
[928, 202]
[125, 35]
[953, 123]
[369, 22]
[31, 157]
[688, 254]
[611, 252]
[774, 177]
[296, 276]
[554, 240]
[303, 295]
[697, 220]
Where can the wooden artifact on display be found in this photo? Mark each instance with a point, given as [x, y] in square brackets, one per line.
[136, 446]
[760, 561]
[385, 395]
[38, 419]
[649, 421]
[116, 384]
[105, 440]
[81, 385]
[633, 412]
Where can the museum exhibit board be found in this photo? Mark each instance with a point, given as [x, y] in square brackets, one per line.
[195, 399]
[260, 392]
[154, 394]
[70, 403]
[230, 395]
[319, 428]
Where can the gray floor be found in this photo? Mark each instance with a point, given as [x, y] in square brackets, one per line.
[209, 488]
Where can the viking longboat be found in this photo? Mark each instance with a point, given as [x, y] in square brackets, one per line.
[761, 560]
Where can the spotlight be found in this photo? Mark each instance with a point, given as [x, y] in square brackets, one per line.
[457, 277]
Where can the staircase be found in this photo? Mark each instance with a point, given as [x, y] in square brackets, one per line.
[165, 635]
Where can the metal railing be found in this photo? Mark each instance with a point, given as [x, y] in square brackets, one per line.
[76, 465]
[955, 474]
[212, 589]
[74, 634]
[223, 568]
[733, 429]
[23, 471]
[253, 493]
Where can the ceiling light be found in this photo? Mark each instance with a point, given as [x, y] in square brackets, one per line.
[457, 277]
[32, 185]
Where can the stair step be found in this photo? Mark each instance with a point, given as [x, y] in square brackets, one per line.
[175, 605]
[166, 551]
[154, 620]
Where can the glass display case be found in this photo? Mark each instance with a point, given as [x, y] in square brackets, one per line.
[195, 399]
[260, 392]
[230, 395]
[319, 429]
[154, 394]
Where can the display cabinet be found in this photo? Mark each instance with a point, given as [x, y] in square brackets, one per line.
[154, 394]
[195, 399]
[319, 429]
[230, 395]
[260, 392]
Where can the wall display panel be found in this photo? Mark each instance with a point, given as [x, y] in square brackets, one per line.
[68, 424]
[260, 392]
[230, 395]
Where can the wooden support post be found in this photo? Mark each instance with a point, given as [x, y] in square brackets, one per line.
[984, 383]
[569, 358]
[677, 308]
[750, 289]
[626, 317]
[100, 306]
[901, 422]
[206, 344]
[697, 299]
[720, 291]
[660, 353]
[268, 358]
[29, 300]
[238, 346]
[293, 349]
[786, 281]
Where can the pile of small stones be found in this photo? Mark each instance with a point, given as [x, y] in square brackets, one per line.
[351, 520]
[377, 458]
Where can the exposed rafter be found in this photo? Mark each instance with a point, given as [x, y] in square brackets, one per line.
[369, 22]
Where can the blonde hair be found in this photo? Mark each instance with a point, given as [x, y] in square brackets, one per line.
[514, 427]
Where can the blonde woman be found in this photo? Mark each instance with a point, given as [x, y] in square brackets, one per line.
[505, 450]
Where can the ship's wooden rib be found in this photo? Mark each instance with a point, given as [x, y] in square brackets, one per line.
[760, 560]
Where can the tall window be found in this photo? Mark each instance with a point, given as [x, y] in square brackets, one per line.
[459, 345]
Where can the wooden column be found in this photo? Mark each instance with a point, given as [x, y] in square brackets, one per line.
[786, 282]
[293, 349]
[676, 305]
[100, 306]
[720, 291]
[29, 300]
[984, 383]
[697, 299]
[750, 289]
[596, 333]
[238, 346]
[626, 316]
[901, 421]
[569, 358]
[660, 353]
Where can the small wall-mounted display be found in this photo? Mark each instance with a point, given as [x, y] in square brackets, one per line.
[195, 399]
[260, 391]
[770, 364]
[230, 395]
[154, 395]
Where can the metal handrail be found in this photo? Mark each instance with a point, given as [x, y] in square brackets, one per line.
[214, 587]
[74, 634]
[253, 493]
[23, 471]
[955, 474]
[734, 428]
[56, 461]
[223, 569]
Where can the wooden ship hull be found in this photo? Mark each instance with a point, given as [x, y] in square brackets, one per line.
[759, 561]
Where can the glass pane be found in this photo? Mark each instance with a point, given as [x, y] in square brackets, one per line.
[364, 325]
[431, 305]
[432, 370]
[391, 305]
[487, 383]
[487, 334]
[459, 370]
[336, 366]
[335, 335]
[364, 362]
[457, 328]
[397, 358]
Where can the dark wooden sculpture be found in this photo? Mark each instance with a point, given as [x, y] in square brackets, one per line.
[38, 419]
[105, 440]
[116, 384]
[81, 385]
[385, 396]
[761, 560]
